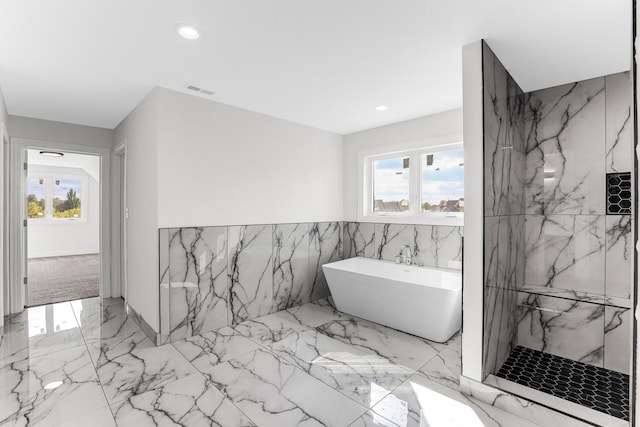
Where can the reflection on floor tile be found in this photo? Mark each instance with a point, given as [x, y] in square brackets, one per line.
[39, 331]
[51, 388]
[273, 392]
[421, 402]
[371, 338]
[363, 377]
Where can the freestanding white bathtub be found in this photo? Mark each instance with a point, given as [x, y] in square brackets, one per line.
[422, 301]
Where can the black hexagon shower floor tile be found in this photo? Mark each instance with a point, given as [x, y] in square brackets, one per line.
[596, 388]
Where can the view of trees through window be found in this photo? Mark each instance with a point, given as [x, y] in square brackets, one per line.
[64, 195]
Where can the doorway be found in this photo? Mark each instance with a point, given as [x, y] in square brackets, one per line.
[63, 226]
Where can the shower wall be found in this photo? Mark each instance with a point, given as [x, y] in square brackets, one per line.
[504, 208]
[557, 206]
[576, 297]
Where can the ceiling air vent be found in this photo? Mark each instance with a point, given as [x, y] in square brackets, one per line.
[199, 90]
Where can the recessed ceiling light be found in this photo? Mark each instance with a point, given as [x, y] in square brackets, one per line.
[52, 153]
[381, 107]
[188, 32]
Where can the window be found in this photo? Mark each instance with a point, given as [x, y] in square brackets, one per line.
[55, 197]
[424, 183]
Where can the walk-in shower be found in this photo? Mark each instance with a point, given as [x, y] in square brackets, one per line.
[558, 255]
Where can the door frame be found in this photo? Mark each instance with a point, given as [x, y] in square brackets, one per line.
[4, 224]
[119, 223]
[17, 215]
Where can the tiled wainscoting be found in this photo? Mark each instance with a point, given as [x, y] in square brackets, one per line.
[211, 277]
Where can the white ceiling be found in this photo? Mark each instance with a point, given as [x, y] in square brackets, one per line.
[323, 63]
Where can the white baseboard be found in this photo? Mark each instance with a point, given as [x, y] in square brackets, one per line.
[63, 253]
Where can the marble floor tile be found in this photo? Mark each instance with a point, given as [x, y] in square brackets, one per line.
[141, 370]
[445, 368]
[271, 328]
[363, 377]
[455, 343]
[190, 402]
[211, 348]
[40, 331]
[371, 419]
[420, 402]
[272, 392]
[105, 350]
[102, 319]
[98, 418]
[49, 389]
[83, 363]
[371, 338]
[316, 313]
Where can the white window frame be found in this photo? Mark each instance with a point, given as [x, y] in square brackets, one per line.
[414, 150]
[51, 175]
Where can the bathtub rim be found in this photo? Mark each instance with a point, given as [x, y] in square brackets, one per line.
[457, 288]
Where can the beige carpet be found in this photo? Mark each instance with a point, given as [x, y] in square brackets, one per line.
[66, 278]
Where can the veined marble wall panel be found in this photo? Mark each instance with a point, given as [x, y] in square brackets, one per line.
[566, 252]
[438, 246]
[163, 274]
[619, 256]
[619, 126]
[504, 143]
[504, 206]
[390, 239]
[290, 265]
[359, 240]
[431, 245]
[504, 251]
[617, 339]
[198, 290]
[325, 246]
[504, 272]
[565, 128]
[563, 327]
[250, 271]
[500, 326]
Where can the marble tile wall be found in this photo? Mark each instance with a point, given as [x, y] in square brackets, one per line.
[578, 273]
[211, 277]
[504, 208]
[432, 245]
[576, 134]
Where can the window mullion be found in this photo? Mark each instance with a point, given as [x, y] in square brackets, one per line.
[48, 213]
[414, 189]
